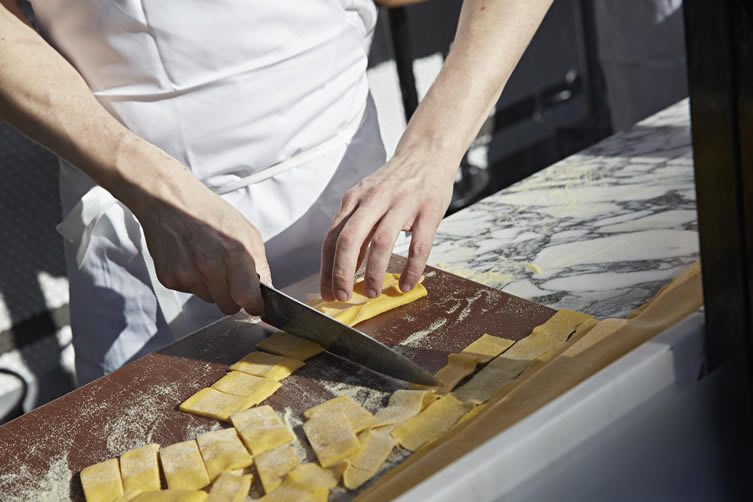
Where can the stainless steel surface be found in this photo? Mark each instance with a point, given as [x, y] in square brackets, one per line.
[288, 314]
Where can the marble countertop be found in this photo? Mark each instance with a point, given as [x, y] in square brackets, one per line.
[599, 232]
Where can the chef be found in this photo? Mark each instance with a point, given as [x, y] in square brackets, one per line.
[203, 143]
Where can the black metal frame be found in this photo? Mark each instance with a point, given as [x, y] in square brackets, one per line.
[719, 41]
[720, 81]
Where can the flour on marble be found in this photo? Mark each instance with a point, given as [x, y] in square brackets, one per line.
[488, 278]
[533, 268]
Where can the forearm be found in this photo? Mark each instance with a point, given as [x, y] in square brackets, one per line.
[44, 97]
[491, 37]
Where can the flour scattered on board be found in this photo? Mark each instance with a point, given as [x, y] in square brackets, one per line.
[193, 431]
[416, 339]
[137, 424]
[295, 423]
[371, 398]
[24, 484]
[469, 305]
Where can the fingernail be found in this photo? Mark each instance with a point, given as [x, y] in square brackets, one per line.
[372, 293]
[406, 287]
[342, 295]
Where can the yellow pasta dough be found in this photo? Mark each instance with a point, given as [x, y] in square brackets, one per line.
[266, 365]
[548, 336]
[375, 448]
[285, 344]
[183, 467]
[358, 417]
[471, 414]
[431, 423]
[403, 405]
[544, 339]
[332, 438]
[487, 347]
[293, 493]
[273, 465]
[458, 367]
[490, 379]
[261, 429]
[230, 488]
[312, 477]
[361, 307]
[171, 496]
[209, 402]
[243, 384]
[222, 450]
[464, 363]
[139, 469]
[101, 482]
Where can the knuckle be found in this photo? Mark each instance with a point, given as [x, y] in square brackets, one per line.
[347, 238]
[381, 241]
[420, 249]
[375, 192]
[413, 273]
[373, 278]
[339, 275]
[349, 197]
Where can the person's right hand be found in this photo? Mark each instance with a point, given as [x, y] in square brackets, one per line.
[205, 246]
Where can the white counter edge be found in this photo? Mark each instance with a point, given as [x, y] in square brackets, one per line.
[673, 358]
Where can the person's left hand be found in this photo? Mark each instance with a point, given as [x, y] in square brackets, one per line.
[411, 192]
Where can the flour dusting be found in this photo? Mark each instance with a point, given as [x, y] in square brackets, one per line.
[26, 485]
[490, 278]
[370, 398]
[192, 431]
[469, 305]
[295, 423]
[416, 339]
[140, 420]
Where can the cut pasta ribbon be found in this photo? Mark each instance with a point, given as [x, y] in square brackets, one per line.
[431, 423]
[361, 308]
[285, 344]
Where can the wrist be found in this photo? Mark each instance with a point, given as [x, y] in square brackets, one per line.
[144, 175]
[443, 158]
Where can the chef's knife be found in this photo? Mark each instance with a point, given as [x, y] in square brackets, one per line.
[288, 314]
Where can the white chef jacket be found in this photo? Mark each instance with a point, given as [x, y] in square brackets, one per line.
[266, 102]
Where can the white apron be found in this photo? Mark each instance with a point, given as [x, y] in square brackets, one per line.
[265, 102]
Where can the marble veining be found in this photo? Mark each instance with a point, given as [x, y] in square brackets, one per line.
[600, 231]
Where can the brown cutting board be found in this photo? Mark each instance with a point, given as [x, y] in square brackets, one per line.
[42, 451]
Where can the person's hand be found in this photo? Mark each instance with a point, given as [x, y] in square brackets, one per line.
[411, 192]
[206, 247]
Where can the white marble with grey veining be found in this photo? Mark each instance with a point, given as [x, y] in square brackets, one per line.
[599, 232]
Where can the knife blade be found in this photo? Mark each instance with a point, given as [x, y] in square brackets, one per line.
[288, 314]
